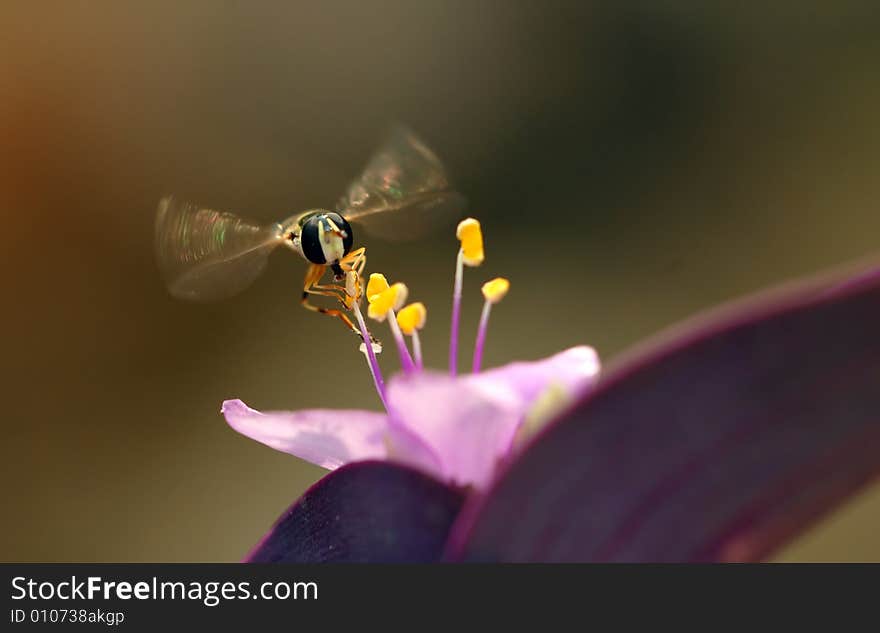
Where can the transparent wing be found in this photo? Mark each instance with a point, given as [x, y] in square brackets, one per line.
[403, 192]
[206, 254]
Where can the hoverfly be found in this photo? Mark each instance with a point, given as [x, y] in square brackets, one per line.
[206, 254]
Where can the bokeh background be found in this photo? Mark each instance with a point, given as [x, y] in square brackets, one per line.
[683, 155]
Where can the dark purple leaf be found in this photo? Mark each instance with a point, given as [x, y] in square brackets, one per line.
[364, 512]
[718, 442]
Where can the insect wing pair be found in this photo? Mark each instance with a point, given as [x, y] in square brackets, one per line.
[206, 254]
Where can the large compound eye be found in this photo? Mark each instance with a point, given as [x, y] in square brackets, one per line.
[344, 226]
[311, 244]
[336, 234]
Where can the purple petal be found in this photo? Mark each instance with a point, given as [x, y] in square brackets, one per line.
[575, 369]
[367, 512]
[459, 429]
[326, 437]
[409, 449]
[468, 427]
[718, 443]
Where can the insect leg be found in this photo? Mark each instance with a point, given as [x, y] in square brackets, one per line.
[355, 260]
[311, 287]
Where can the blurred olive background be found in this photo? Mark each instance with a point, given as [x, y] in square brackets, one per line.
[631, 165]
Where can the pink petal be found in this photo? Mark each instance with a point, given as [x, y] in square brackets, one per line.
[458, 429]
[576, 369]
[469, 427]
[326, 437]
[408, 448]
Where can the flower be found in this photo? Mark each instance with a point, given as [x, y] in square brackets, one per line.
[457, 429]
[719, 440]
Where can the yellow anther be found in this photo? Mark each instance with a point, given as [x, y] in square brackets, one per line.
[471, 237]
[377, 285]
[412, 318]
[495, 290]
[392, 298]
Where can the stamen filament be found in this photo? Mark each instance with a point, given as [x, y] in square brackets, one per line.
[471, 253]
[410, 320]
[481, 336]
[417, 350]
[456, 312]
[406, 360]
[372, 363]
[493, 291]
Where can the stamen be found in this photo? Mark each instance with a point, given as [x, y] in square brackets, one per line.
[471, 253]
[417, 350]
[456, 312]
[493, 291]
[406, 360]
[376, 285]
[352, 283]
[392, 298]
[470, 235]
[411, 319]
[384, 300]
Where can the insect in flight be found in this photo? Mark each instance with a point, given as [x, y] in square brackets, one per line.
[206, 254]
